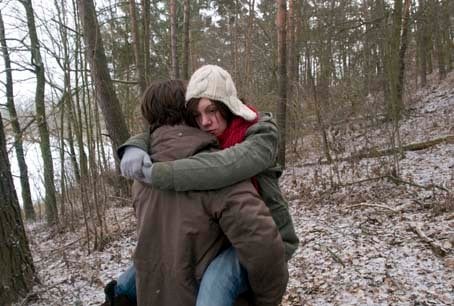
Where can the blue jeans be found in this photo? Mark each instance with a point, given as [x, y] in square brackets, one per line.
[222, 282]
[126, 284]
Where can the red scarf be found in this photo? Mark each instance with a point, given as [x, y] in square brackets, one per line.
[235, 132]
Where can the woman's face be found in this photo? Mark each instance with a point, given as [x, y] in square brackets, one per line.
[209, 118]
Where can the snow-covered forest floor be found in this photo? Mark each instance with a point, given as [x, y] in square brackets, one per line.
[367, 236]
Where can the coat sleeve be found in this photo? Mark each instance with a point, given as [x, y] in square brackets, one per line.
[206, 171]
[247, 223]
[141, 141]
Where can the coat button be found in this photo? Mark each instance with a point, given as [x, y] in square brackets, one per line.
[180, 134]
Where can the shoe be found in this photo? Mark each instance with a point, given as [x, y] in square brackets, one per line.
[112, 300]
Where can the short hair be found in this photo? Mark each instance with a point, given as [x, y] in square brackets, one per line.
[163, 103]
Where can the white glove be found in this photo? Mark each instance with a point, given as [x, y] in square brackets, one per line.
[132, 162]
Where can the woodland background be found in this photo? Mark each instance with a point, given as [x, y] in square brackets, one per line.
[73, 72]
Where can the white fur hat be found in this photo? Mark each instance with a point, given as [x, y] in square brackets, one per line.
[214, 83]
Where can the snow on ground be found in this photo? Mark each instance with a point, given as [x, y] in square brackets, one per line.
[356, 224]
[67, 273]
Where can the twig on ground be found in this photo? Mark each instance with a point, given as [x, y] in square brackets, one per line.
[37, 292]
[373, 205]
[65, 246]
[335, 256]
[435, 245]
[399, 180]
[120, 198]
[363, 181]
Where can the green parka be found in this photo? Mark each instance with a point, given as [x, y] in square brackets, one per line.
[255, 156]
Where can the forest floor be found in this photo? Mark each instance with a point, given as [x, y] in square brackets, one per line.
[368, 237]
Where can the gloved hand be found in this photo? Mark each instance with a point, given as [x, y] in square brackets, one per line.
[132, 162]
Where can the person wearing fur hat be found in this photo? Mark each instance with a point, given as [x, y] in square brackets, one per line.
[180, 233]
[249, 142]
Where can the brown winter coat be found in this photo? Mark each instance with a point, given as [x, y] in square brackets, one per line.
[179, 233]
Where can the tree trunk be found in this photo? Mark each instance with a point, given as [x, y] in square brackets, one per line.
[282, 72]
[50, 200]
[291, 49]
[173, 39]
[138, 55]
[402, 51]
[107, 99]
[76, 109]
[248, 71]
[438, 33]
[65, 102]
[25, 186]
[146, 39]
[422, 42]
[448, 40]
[16, 264]
[392, 63]
[186, 24]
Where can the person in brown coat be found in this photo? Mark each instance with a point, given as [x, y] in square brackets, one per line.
[179, 233]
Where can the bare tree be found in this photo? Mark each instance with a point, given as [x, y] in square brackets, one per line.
[248, 71]
[136, 43]
[50, 200]
[282, 72]
[291, 46]
[145, 4]
[173, 39]
[105, 92]
[16, 264]
[186, 19]
[25, 185]
[423, 41]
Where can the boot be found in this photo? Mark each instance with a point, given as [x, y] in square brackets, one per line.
[112, 300]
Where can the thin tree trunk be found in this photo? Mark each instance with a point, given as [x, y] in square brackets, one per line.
[138, 55]
[282, 72]
[248, 74]
[392, 63]
[186, 24]
[146, 39]
[402, 51]
[16, 268]
[422, 42]
[291, 48]
[75, 109]
[321, 125]
[448, 41]
[18, 145]
[61, 15]
[50, 199]
[439, 40]
[173, 39]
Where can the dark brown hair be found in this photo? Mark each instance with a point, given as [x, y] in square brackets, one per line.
[226, 113]
[163, 103]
